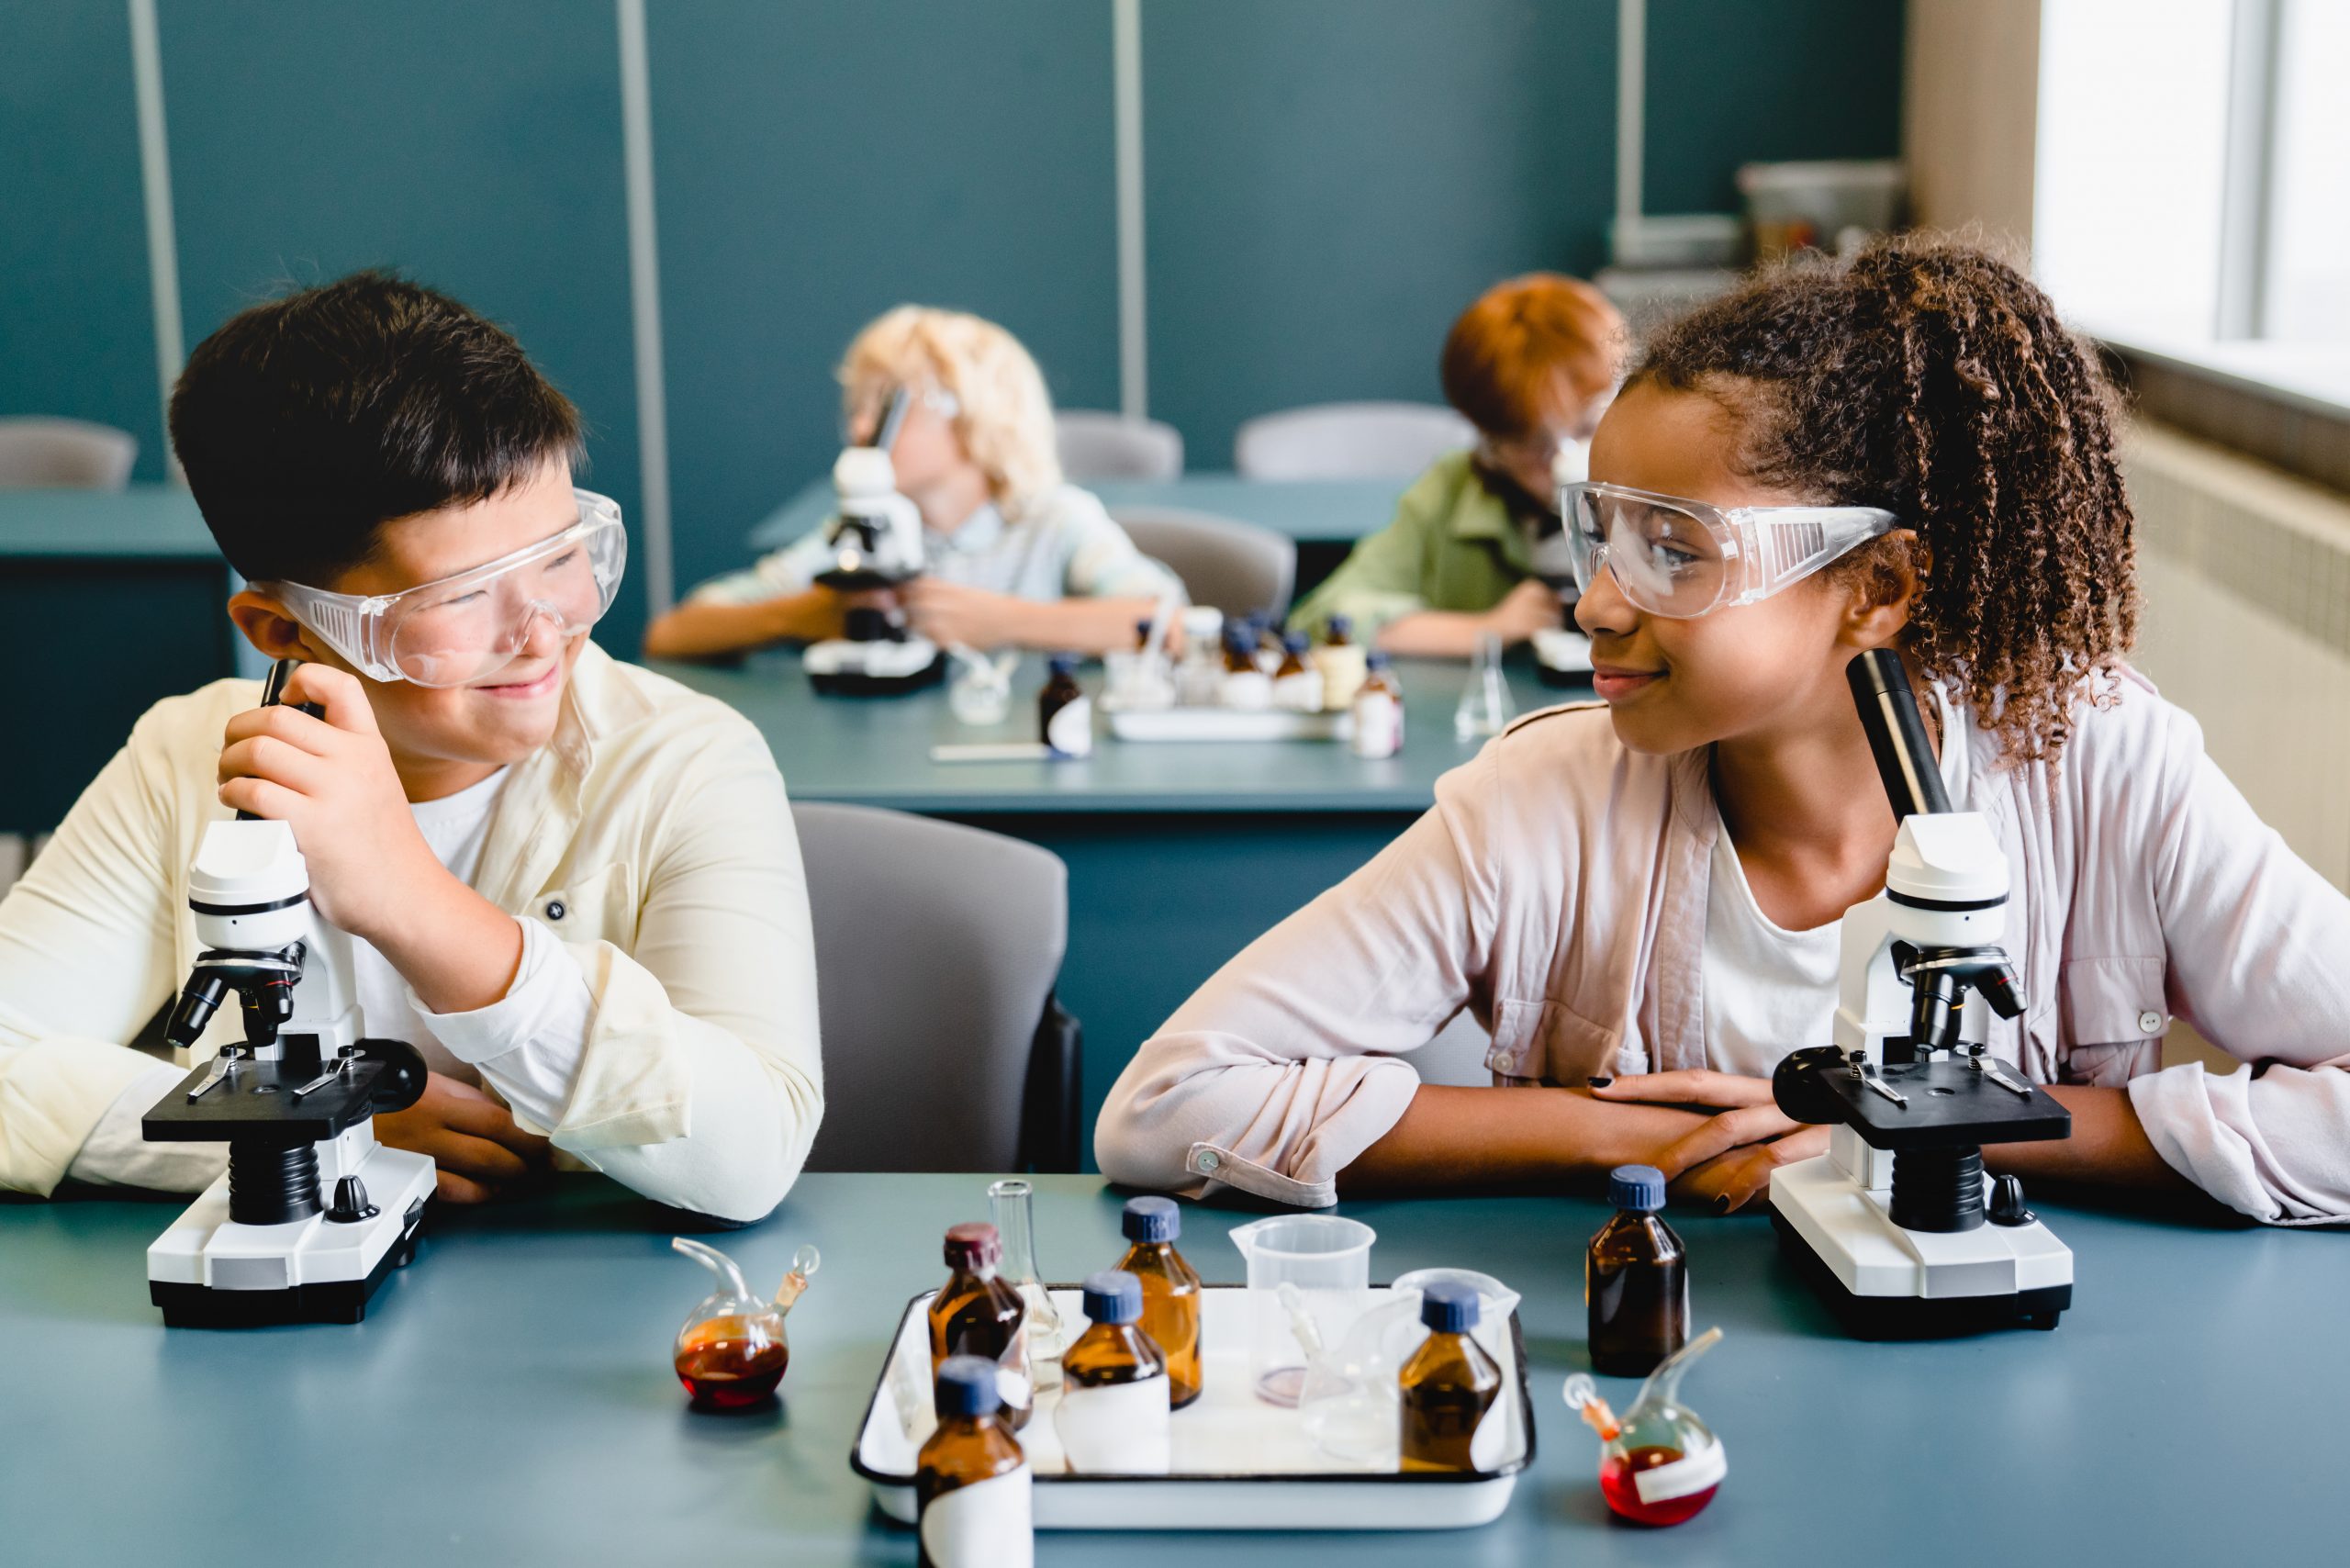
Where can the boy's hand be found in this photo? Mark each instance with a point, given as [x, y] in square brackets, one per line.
[479, 1152]
[333, 779]
[1532, 606]
[956, 612]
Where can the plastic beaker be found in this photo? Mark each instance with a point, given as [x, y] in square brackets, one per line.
[1328, 1260]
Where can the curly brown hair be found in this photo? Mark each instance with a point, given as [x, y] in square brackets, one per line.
[1928, 377]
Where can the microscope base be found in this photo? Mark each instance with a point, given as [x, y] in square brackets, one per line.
[1884, 1281]
[209, 1272]
[846, 667]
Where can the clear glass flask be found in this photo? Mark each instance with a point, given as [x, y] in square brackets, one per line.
[1014, 1202]
[1657, 1463]
[1484, 709]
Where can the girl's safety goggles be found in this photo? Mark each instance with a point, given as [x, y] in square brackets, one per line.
[462, 628]
[1681, 558]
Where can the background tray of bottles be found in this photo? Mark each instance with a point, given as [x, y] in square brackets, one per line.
[1226, 724]
[1239, 1462]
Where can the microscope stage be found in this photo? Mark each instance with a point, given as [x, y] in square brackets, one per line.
[1949, 1103]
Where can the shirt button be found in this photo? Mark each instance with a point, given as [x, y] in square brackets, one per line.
[2150, 1021]
[555, 909]
[1205, 1160]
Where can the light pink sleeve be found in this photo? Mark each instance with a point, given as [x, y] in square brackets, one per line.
[1284, 1066]
[2259, 961]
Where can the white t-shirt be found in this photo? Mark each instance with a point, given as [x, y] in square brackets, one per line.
[528, 1044]
[1769, 991]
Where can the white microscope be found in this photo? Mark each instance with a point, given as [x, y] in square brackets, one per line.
[876, 543]
[1891, 1223]
[312, 1212]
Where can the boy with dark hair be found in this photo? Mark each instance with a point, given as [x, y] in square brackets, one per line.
[573, 885]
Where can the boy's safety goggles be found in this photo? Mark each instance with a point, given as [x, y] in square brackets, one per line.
[461, 628]
[1681, 558]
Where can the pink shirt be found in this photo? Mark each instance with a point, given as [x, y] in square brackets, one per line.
[1557, 889]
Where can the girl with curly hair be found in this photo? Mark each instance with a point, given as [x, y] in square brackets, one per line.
[1641, 901]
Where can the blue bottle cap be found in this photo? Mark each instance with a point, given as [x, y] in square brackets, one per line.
[1340, 624]
[1294, 642]
[1144, 625]
[968, 1386]
[1151, 1219]
[1374, 660]
[1640, 1188]
[1063, 663]
[1113, 1296]
[1448, 1307]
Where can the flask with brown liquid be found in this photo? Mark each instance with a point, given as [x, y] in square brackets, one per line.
[977, 1312]
[972, 1487]
[1448, 1387]
[1636, 1279]
[1170, 1291]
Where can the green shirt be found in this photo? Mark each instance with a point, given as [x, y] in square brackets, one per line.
[1453, 545]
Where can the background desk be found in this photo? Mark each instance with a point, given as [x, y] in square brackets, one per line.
[1179, 856]
[1324, 516]
[509, 1400]
[109, 602]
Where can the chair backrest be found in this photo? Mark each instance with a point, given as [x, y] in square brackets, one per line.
[39, 452]
[1097, 445]
[937, 950]
[1348, 441]
[1239, 567]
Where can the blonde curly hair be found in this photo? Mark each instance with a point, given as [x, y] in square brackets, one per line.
[1003, 417]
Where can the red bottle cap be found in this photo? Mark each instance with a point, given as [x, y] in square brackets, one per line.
[973, 1246]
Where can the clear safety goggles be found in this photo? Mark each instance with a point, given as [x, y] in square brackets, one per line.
[461, 628]
[1681, 558]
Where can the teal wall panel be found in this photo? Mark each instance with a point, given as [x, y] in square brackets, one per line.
[1740, 84]
[76, 316]
[818, 163]
[476, 147]
[1329, 181]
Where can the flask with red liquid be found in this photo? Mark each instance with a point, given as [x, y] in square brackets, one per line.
[1658, 1464]
[732, 1352]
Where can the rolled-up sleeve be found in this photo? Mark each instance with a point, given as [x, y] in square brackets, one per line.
[700, 1083]
[2259, 960]
[1285, 1066]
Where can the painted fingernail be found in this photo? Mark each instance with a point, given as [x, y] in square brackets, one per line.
[1599, 1082]
[1722, 1204]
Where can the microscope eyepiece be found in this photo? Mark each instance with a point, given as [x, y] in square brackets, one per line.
[1896, 731]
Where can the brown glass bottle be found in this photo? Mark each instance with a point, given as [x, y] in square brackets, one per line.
[1447, 1385]
[977, 1313]
[1170, 1291]
[970, 1448]
[1115, 1389]
[1636, 1279]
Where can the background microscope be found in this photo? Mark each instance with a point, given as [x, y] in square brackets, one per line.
[1897, 1224]
[875, 544]
[312, 1212]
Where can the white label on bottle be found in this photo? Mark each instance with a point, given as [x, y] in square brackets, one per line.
[988, 1524]
[1342, 672]
[1299, 693]
[1693, 1471]
[1070, 730]
[1248, 689]
[1487, 1444]
[1119, 1429]
[1379, 724]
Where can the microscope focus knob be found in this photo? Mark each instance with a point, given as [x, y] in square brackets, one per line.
[2006, 1203]
[351, 1205]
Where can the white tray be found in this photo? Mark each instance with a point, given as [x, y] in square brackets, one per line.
[1240, 1463]
[1228, 724]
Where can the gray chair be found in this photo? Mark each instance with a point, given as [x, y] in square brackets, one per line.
[1239, 567]
[936, 950]
[1348, 441]
[40, 453]
[1096, 445]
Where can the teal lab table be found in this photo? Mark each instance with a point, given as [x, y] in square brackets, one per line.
[1179, 854]
[510, 1399]
[1324, 516]
[109, 602]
